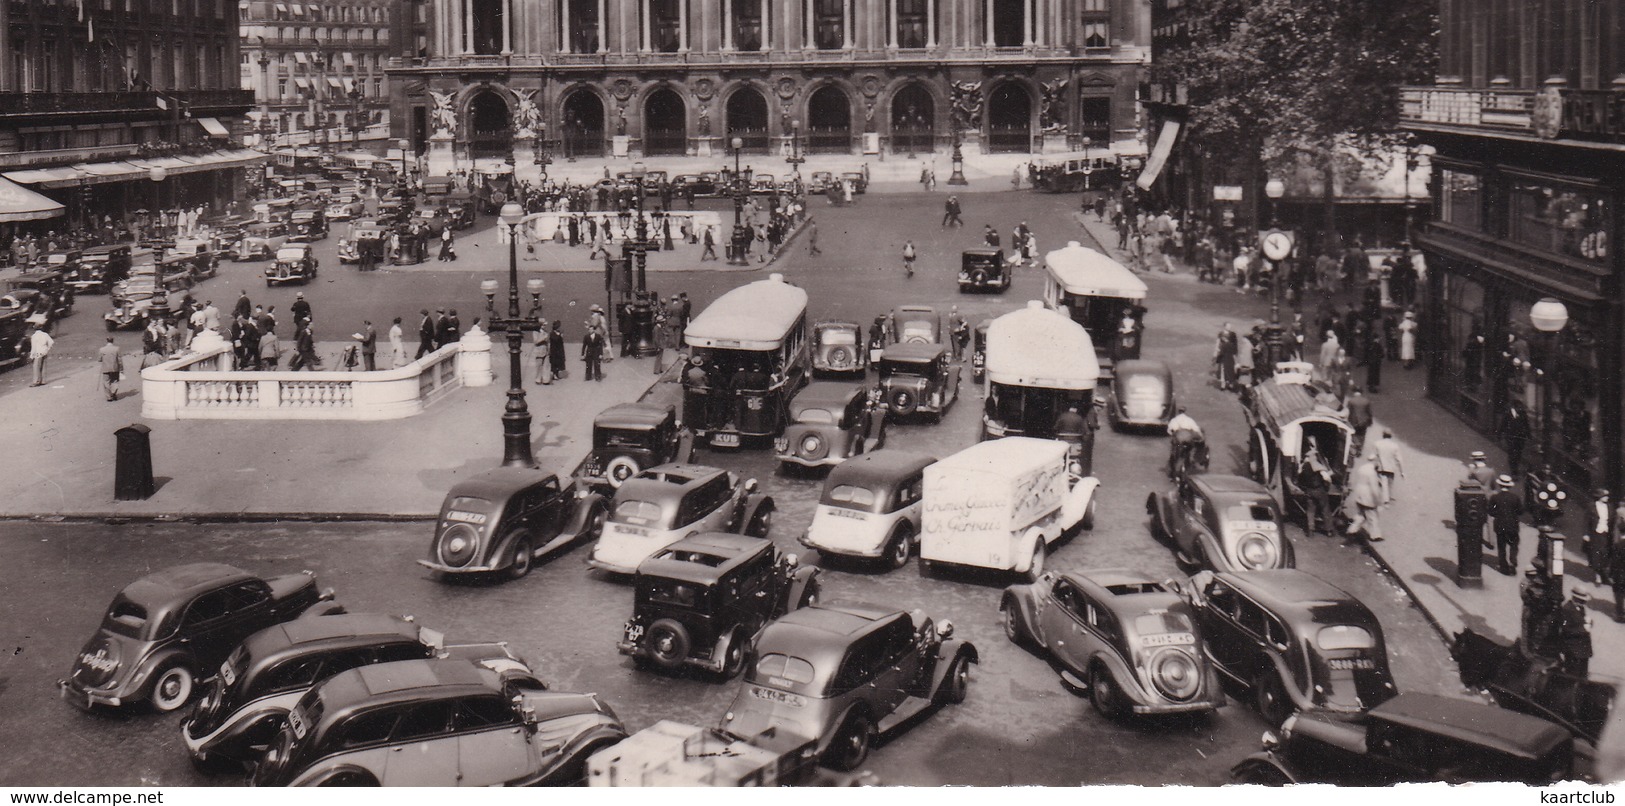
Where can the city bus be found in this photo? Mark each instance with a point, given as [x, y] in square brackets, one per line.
[298, 161]
[749, 355]
[1096, 292]
[1039, 364]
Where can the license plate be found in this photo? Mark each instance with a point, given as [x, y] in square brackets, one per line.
[1351, 664]
[635, 531]
[781, 697]
[1168, 639]
[634, 633]
[476, 518]
[725, 440]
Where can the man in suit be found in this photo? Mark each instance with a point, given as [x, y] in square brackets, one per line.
[1505, 508]
[440, 328]
[369, 347]
[426, 331]
[1365, 495]
[592, 353]
[305, 349]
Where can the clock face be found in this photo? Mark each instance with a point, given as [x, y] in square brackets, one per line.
[1277, 245]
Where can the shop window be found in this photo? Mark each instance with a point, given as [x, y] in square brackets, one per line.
[1461, 199]
[1565, 221]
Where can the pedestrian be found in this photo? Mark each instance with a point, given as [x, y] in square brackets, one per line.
[1515, 427]
[270, 349]
[211, 315]
[1616, 578]
[112, 368]
[1373, 357]
[665, 335]
[1506, 507]
[397, 345]
[244, 307]
[1598, 539]
[1574, 635]
[1478, 466]
[426, 334]
[1359, 414]
[908, 258]
[710, 250]
[1224, 357]
[301, 309]
[304, 356]
[1315, 478]
[1015, 178]
[39, 346]
[544, 358]
[592, 353]
[961, 332]
[1390, 464]
[369, 346]
[555, 350]
[1365, 491]
[812, 238]
[1244, 360]
[454, 328]
[1407, 340]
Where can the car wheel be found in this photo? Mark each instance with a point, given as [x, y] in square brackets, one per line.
[851, 745]
[595, 523]
[1036, 570]
[1103, 693]
[520, 560]
[668, 642]
[1270, 698]
[1010, 615]
[1258, 773]
[172, 688]
[733, 660]
[350, 779]
[620, 469]
[956, 684]
[1089, 516]
[903, 402]
[898, 549]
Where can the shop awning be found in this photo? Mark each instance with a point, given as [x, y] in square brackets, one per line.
[18, 203]
[300, 57]
[302, 83]
[349, 85]
[334, 83]
[299, 9]
[281, 8]
[44, 177]
[214, 127]
[349, 58]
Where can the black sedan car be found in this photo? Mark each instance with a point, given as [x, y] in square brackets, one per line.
[628, 437]
[1221, 523]
[166, 631]
[502, 520]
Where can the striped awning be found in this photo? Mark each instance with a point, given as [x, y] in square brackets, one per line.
[18, 203]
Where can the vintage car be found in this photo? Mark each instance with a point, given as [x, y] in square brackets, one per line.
[344, 208]
[978, 351]
[101, 266]
[362, 232]
[870, 508]
[669, 754]
[701, 600]
[1297, 642]
[667, 503]
[844, 674]
[248, 701]
[1119, 635]
[49, 287]
[128, 314]
[914, 324]
[307, 225]
[763, 183]
[1413, 738]
[628, 437]
[1221, 523]
[830, 422]
[460, 210]
[170, 629]
[918, 379]
[838, 350]
[860, 184]
[820, 182]
[983, 269]
[295, 263]
[503, 520]
[1140, 395]
[198, 254]
[261, 240]
[459, 723]
[701, 184]
[143, 284]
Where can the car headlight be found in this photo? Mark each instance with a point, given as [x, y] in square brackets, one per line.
[1175, 674]
[810, 444]
[1256, 551]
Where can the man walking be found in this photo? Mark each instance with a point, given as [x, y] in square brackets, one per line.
[1574, 635]
[108, 357]
[1505, 508]
[397, 345]
[305, 349]
[950, 213]
[812, 238]
[544, 362]
[39, 346]
[369, 347]
[1389, 463]
[592, 352]
[301, 309]
[270, 350]
[710, 250]
[1515, 427]
[1359, 408]
[1365, 493]
[426, 331]
[1598, 538]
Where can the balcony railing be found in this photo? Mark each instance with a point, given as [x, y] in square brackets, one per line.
[26, 104]
[1574, 114]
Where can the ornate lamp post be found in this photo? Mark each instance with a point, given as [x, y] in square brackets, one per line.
[795, 159]
[400, 181]
[958, 176]
[544, 155]
[160, 297]
[736, 255]
[515, 415]
[1549, 316]
[1277, 251]
[355, 117]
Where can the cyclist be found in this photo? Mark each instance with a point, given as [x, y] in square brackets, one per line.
[908, 258]
[1184, 438]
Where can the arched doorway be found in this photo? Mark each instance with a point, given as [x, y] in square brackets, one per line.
[583, 124]
[829, 121]
[913, 120]
[665, 123]
[492, 125]
[747, 120]
[1009, 119]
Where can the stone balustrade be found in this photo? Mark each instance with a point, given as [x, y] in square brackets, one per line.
[202, 385]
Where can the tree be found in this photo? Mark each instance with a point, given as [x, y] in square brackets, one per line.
[1270, 82]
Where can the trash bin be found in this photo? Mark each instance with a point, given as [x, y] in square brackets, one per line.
[1472, 511]
[132, 474]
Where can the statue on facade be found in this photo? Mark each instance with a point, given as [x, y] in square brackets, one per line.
[445, 120]
[966, 102]
[528, 117]
[705, 119]
[1052, 114]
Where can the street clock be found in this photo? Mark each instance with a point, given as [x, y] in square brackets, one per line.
[1276, 244]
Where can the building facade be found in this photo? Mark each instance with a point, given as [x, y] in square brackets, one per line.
[686, 77]
[114, 105]
[317, 70]
[1527, 118]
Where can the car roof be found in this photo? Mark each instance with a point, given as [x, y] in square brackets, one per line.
[885, 465]
[703, 558]
[826, 394]
[913, 309]
[984, 251]
[822, 323]
[1224, 483]
[821, 633]
[1295, 590]
[182, 582]
[914, 352]
[1120, 589]
[391, 682]
[499, 482]
[1505, 731]
[633, 415]
[349, 629]
[1141, 366]
[661, 482]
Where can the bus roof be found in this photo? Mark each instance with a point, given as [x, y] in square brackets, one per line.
[1037, 346]
[1077, 269]
[755, 316]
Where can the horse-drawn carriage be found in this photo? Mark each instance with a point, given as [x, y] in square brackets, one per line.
[1297, 427]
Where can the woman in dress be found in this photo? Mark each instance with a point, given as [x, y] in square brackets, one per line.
[544, 359]
[397, 347]
[1407, 340]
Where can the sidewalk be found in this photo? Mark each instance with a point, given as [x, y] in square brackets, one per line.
[1420, 549]
[61, 436]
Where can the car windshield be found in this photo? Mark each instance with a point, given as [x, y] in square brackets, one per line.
[895, 367]
[125, 618]
[782, 671]
[618, 438]
[833, 336]
[1249, 512]
[851, 497]
[637, 513]
[1343, 636]
[672, 592]
[917, 329]
[1160, 623]
[815, 416]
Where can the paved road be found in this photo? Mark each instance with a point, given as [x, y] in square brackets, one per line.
[1019, 725]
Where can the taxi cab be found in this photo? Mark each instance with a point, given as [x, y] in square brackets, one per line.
[295, 263]
[830, 422]
[870, 508]
[918, 379]
[502, 520]
[667, 503]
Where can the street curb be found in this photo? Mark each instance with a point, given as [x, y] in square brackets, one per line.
[120, 518]
[1427, 612]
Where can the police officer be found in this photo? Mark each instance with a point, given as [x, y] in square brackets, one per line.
[1505, 507]
[1574, 635]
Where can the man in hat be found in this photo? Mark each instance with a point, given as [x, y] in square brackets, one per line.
[1478, 466]
[1359, 408]
[441, 328]
[301, 311]
[426, 331]
[1365, 495]
[1537, 608]
[1505, 508]
[1598, 539]
[1574, 635]
[592, 352]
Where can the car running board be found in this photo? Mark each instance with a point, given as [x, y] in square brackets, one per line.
[1073, 680]
[908, 709]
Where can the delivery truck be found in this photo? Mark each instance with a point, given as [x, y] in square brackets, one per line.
[1002, 504]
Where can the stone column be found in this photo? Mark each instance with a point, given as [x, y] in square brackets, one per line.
[468, 25]
[564, 43]
[643, 28]
[987, 13]
[891, 23]
[846, 24]
[767, 25]
[682, 26]
[930, 23]
[603, 27]
[727, 24]
[1027, 23]
[809, 33]
[507, 27]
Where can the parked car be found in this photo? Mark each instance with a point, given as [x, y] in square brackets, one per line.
[628, 437]
[702, 184]
[201, 253]
[1121, 636]
[859, 183]
[169, 630]
[830, 422]
[983, 269]
[1140, 395]
[345, 208]
[436, 723]
[820, 182]
[261, 240]
[914, 324]
[1297, 642]
[295, 263]
[918, 379]
[763, 183]
[1221, 523]
[1413, 738]
[669, 754]
[100, 266]
[838, 349]
[844, 674]
[870, 508]
[503, 520]
[50, 286]
[248, 701]
[664, 504]
[701, 600]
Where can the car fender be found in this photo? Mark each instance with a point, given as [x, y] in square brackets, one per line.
[321, 778]
[1217, 558]
[244, 722]
[833, 726]
[1032, 539]
[583, 745]
[139, 678]
[753, 505]
[804, 575]
[947, 652]
[1077, 501]
[1156, 509]
[1123, 675]
[584, 508]
[1265, 759]
[1022, 599]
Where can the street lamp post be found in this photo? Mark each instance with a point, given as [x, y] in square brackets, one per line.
[160, 297]
[1549, 316]
[516, 450]
[958, 176]
[400, 181]
[736, 255]
[355, 118]
[1274, 189]
[544, 155]
[795, 159]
